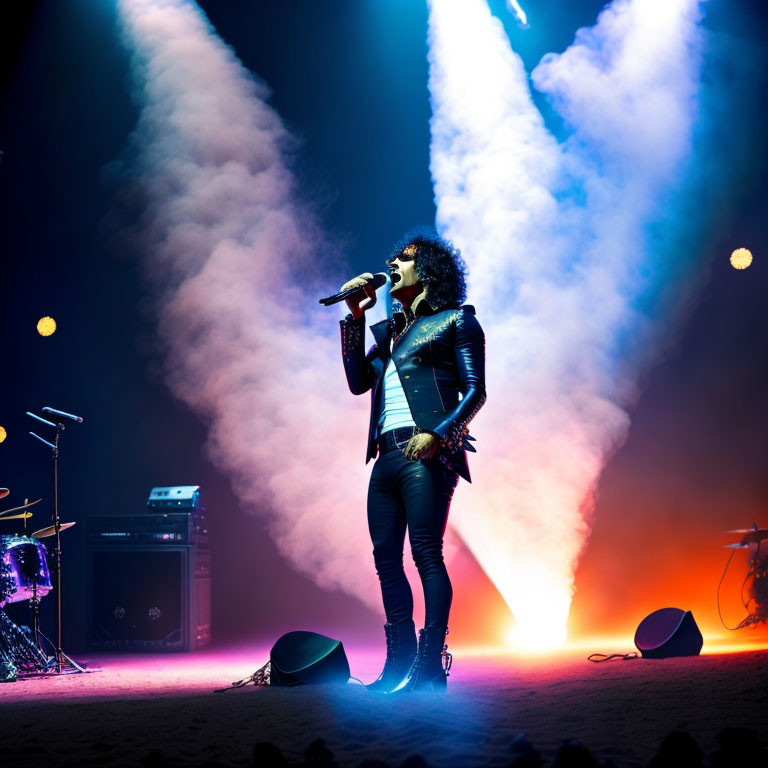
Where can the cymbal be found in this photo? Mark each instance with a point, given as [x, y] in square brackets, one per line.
[50, 530]
[4, 492]
[22, 516]
[736, 546]
[753, 535]
[749, 530]
[23, 506]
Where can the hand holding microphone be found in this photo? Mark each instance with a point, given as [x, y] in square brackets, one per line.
[359, 293]
[362, 294]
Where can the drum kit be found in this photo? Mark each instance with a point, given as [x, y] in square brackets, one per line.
[25, 575]
[754, 540]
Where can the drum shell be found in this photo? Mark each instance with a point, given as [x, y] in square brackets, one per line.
[24, 569]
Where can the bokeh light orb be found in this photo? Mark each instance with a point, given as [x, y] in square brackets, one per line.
[46, 326]
[3, 434]
[741, 258]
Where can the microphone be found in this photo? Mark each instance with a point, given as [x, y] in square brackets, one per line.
[63, 414]
[45, 442]
[376, 281]
[41, 420]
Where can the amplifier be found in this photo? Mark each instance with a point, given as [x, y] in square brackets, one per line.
[159, 528]
[174, 497]
[149, 582]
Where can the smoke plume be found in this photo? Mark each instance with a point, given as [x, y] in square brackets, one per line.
[573, 246]
[234, 253]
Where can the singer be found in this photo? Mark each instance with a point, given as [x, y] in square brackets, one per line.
[427, 381]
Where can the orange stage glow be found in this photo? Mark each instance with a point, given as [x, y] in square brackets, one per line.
[46, 326]
[645, 553]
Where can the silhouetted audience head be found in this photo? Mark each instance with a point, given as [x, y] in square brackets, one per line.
[317, 755]
[573, 754]
[678, 750]
[154, 759]
[523, 754]
[738, 747]
[267, 755]
[414, 761]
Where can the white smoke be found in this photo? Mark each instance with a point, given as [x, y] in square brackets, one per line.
[567, 244]
[248, 346]
[557, 236]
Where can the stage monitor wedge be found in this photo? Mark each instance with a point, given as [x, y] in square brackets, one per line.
[308, 658]
[668, 632]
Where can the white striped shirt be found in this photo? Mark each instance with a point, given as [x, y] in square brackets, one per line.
[395, 412]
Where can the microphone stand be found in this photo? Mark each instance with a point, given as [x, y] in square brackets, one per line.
[59, 660]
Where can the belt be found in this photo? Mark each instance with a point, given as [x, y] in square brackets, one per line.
[395, 439]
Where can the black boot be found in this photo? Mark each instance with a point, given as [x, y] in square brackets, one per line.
[401, 651]
[429, 671]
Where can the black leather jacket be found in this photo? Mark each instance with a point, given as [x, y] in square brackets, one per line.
[441, 354]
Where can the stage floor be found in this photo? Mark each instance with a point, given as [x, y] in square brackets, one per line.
[137, 705]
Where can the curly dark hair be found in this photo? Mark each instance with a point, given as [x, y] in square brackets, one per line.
[439, 265]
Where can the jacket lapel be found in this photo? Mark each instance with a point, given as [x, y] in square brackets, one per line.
[382, 335]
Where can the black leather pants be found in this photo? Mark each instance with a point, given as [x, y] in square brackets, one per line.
[413, 495]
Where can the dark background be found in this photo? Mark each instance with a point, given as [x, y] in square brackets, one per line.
[350, 80]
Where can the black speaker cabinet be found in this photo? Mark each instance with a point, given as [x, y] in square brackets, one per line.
[668, 632]
[147, 596]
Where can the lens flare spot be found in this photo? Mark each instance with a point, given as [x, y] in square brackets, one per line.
[3, 434]
[741, 258]
[46, 326]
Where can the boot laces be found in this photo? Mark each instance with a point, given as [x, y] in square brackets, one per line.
[416, 663]
[446, 658]
[392, 645]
